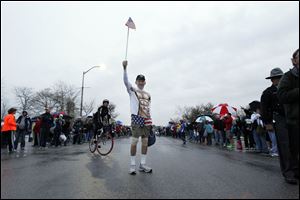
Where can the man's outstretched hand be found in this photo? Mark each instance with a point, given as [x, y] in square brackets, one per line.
[125, 63]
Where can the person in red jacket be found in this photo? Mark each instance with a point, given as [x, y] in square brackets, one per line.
[9, 127]
[36, 132]
[228, 125]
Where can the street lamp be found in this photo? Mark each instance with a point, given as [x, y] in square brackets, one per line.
[81, 103]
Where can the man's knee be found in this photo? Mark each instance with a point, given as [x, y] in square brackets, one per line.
[134, 141]
[145, 142]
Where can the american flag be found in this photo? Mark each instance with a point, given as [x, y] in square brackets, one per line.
[130, 23]
[138, 120]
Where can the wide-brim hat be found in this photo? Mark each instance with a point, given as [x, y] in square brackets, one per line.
[275, 73]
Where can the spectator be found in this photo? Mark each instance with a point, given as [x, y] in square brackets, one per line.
[59, 122]
[182, 130]
[190, 129]
[46, 123]
[66, 129]
[89, 129]
[23, 127]
[36, 132]
[259, 133]
[200, 130]
[196, 135]
[238, 132]
[228, 125]
[9, 127]
[219, 128]
[78, 128]
[208, 133]
[247, 130]
[288, 94]
[269, 105]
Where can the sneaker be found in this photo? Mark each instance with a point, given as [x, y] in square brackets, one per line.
[144, 168]
[274, 155]
[132, 170]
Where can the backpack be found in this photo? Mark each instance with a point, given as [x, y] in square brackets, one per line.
[22, 124]
[209, 129]
[151, 138]
[248, 124]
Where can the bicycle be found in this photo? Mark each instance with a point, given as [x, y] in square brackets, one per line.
[103, 142]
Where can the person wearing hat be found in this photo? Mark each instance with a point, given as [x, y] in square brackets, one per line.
[9, 127]
[23, 127]
[269, 105]
[288, 94]
[141, 121]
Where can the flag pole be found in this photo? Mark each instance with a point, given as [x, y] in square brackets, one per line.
[127, 44]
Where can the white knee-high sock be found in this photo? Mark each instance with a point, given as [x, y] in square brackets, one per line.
[143, 159]
[132, 162]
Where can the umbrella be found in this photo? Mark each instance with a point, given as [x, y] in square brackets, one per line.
[119, 122]
[203, 119]
[223, 109]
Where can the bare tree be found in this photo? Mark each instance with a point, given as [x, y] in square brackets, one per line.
[112, 108]
[43, 99]
[63, 94]
[175, 120]
[61, 97]
[71, 108]
[88, 107]
[25, 99]
[4, 108]
[4, 102]
[190, 114]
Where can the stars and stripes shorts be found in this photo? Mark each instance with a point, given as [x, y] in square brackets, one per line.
[141, 127]
[140, 131]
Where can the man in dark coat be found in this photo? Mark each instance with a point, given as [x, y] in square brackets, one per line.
[288, 94]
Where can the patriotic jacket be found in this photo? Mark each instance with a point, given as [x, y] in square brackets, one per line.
[140, 101]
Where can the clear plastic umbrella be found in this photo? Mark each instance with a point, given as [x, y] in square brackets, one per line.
[203, 119]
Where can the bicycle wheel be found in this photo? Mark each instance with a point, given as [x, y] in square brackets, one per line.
[93, 145]
[105, 144]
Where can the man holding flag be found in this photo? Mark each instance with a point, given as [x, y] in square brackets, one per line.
[141, 121]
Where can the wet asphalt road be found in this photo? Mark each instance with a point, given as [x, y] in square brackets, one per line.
[191, 171]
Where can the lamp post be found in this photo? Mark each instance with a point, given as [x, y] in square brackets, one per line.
[81, 102]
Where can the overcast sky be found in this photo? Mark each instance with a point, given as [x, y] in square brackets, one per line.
[190, 52]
